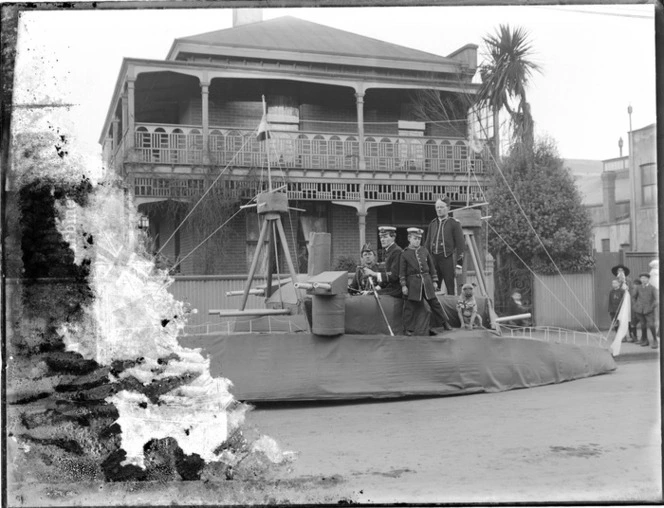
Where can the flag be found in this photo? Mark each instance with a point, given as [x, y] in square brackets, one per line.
[623, 317]
[263, 129]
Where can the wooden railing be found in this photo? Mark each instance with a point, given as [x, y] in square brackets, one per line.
[183, 144]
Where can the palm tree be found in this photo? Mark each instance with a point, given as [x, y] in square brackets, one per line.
[505, 75]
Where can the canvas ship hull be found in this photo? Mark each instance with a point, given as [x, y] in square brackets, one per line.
[368, 362]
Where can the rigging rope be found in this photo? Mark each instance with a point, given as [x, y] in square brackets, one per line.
[526, 265]
[206, 239]
[541, 244]
[539, 278]
[249, 138]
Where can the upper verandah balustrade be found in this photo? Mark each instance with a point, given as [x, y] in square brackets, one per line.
[183, 145]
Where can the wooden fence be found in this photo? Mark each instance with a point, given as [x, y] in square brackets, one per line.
[638, 262]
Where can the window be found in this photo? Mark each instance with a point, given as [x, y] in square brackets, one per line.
[649, 183]
[606, 245]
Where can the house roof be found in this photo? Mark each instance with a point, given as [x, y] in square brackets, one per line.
[308, 41]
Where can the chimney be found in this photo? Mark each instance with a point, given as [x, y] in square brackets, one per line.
[609, 196]
[246, 16]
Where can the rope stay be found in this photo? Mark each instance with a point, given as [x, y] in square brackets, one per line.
[538, 278]
[537, 236]
[207, 238]
[207, 191]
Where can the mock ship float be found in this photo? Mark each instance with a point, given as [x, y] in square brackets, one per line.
[353, 347]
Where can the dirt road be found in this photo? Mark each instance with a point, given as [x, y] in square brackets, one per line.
[595, 439]
[587, 440]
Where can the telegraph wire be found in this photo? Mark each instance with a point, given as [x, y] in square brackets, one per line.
[600, 13]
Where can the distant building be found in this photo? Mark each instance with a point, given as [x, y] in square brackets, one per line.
[608, 193]
[345, 140]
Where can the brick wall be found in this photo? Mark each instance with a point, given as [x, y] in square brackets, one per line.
[241, 114]
[345, 232]
[313, 117]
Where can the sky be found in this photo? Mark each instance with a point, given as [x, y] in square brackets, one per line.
[596, 60]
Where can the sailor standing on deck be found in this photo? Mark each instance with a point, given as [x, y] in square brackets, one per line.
[388, 276]
[445, 237]
[419, 282]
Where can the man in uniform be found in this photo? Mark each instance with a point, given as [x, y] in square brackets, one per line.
[419, 281]
[361, 281]
[388, 276]
[445, 237]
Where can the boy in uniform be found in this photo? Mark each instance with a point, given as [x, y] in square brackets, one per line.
[615, 297]
[419, 281]
[361, 281]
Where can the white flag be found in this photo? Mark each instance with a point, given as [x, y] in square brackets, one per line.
[263, 130]
[624, 316]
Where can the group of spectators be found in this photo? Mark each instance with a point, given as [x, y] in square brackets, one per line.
[644, 299]
[418, 271]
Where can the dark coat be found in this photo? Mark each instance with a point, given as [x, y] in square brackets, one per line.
[417, 273]
[645, 299]
[445, 237]
[615, 297]
[360, 281]
[388, 278]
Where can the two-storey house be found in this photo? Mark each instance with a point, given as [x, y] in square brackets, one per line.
[345, 140]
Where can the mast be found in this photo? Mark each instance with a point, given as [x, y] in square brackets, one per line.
[269, 172]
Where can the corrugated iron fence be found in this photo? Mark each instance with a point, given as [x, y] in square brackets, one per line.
[566, 301]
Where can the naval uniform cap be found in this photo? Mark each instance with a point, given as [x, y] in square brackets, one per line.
[384, 230]
[415, 231]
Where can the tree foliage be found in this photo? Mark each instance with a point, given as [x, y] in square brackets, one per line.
[543, 194]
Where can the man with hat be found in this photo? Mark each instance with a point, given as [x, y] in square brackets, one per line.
[645, 307]
[388, 276]
[360, 281]
[444, 238]
[419, 282]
